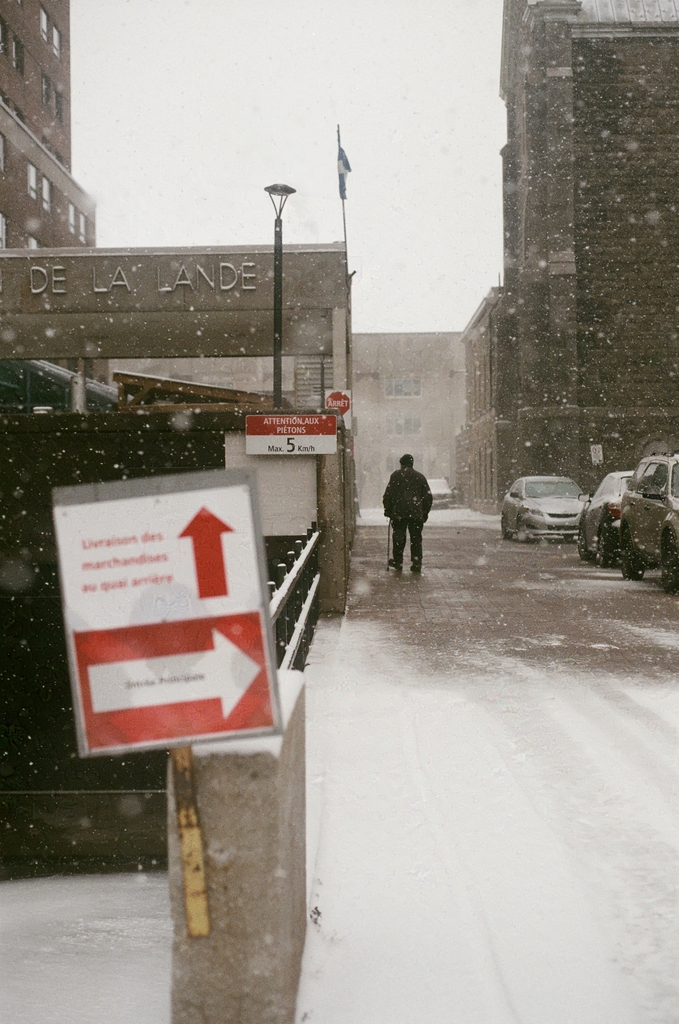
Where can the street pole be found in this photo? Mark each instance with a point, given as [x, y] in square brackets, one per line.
[278, 314]
[281, 193]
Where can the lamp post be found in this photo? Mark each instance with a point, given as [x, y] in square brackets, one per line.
[278, 195]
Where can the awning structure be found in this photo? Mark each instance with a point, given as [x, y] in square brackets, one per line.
[141, 391]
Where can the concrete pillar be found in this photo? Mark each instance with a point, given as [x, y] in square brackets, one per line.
[333, 552]
[251, 802]
[78, 389]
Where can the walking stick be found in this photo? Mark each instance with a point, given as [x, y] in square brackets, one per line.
[388, 542]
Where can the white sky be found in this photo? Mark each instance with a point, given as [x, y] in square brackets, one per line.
[183, 110]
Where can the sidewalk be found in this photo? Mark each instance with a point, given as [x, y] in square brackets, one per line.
[494, 813]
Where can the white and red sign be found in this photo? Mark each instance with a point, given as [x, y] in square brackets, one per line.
[291, 434]
[340, 400]
[597, 453]
[166, 611]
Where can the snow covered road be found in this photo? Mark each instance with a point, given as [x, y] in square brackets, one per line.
[498, 841]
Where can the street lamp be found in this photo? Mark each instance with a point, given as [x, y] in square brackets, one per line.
[278, 195]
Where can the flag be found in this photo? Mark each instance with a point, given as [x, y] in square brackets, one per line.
[343, 168]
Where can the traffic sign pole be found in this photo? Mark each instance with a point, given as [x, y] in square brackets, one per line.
[190, 843]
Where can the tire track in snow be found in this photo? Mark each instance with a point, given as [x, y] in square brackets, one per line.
[611, 812]
[493, 990]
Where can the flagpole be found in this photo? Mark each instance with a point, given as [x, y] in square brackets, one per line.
[347, 340]
[344, 215]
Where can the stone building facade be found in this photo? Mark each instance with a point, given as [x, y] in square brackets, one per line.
[408, 396]
[41, 204]
[586, 326]
[487, 436]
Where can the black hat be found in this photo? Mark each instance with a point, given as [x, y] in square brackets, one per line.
[406, 460]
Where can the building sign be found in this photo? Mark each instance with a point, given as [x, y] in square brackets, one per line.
[168, 302]
[166, 611]
[340, 400]
[291, 434]
[597, 454]
[208, 277]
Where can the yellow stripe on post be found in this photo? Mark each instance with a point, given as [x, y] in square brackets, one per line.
[191, 844]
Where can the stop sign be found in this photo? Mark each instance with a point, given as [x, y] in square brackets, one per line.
[338, 400]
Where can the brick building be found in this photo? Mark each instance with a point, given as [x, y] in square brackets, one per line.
[41, 205]
[408, 396]
[583, 339]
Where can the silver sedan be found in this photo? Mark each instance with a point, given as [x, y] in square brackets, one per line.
[541, 506]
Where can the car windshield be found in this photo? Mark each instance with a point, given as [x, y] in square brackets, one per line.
[559, 488]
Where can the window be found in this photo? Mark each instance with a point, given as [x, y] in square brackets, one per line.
[3, 231]
[3, 36]
[654, 480]
[59, 106]
[44, 24]
[402, 387]
[82, 227]
[33, 242]
[56, 42]
[46, 91]
[558, 487]
[607, 486]
[2, 152]
[46, 194]
[18, 55]
[406, 425]
[71, 218]
[32, 181]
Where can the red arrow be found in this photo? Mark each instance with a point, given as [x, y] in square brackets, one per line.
[205, 530]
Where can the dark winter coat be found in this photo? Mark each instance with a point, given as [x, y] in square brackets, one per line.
[407, 495]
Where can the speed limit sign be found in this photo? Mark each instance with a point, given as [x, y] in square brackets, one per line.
[291, 434]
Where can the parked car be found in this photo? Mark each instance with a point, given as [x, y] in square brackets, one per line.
[599, 529]
[541, 506]
[441, 493]
[649, 521]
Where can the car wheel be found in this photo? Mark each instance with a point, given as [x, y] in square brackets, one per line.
[584, 552]
[630, 562]
[669, 564]
[506, 532]
[607, 550]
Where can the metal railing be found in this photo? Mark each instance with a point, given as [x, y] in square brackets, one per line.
[294, 601]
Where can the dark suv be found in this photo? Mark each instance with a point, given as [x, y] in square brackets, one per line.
[649, 521]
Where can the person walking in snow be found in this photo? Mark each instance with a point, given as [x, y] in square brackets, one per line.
[407, 501]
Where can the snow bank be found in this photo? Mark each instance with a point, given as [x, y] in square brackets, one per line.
[437, 517]
[85, 950]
